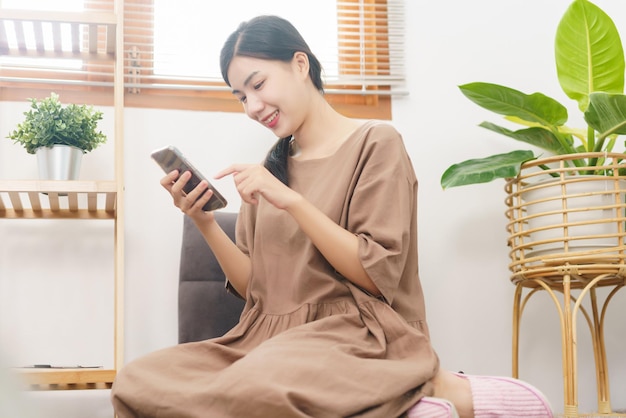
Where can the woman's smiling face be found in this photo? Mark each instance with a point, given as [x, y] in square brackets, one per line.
[272, 92]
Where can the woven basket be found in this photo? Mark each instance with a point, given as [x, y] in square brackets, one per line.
[569, 218]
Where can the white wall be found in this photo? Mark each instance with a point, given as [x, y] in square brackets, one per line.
[463, 253]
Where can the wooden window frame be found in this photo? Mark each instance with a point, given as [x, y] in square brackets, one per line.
[365, 106]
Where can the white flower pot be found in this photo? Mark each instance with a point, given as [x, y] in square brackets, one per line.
[578, 219]
[59, 162]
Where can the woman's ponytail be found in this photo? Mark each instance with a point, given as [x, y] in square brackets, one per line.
[276, 160]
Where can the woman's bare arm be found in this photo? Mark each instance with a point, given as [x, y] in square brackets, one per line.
[234, 262]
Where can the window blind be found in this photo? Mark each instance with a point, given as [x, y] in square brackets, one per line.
[359, 42]
[69, 43]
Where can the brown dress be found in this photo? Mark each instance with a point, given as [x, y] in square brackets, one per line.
[309, 343]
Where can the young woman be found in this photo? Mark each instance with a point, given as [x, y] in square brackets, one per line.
[326, 258]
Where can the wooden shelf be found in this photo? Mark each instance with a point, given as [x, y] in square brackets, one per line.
[62, 379]
[39, 199]
[94, 36]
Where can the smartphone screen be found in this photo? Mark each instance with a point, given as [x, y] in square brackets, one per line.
[170, 158]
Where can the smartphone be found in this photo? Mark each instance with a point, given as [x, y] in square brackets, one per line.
[170, 158]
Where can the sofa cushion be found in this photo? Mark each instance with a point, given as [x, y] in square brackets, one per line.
[205, 308]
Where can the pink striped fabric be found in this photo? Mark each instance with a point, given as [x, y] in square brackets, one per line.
[499, 397]
[494, 397]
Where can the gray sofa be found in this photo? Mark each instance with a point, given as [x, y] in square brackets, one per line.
[205, 308]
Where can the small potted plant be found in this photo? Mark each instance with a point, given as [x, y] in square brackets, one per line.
[58, 135]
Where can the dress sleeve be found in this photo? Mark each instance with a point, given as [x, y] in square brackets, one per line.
[383, 208]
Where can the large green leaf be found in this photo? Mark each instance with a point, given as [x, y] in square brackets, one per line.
[536, 107]
[536, 136]
[607, 114]
[484, 170]
[588, 52]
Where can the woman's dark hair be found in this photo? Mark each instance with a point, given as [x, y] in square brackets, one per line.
[270, 38]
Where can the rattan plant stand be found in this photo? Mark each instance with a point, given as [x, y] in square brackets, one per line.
[566, 236]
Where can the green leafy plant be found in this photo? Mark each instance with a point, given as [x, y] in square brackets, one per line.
[590, 67]
[49, 123]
